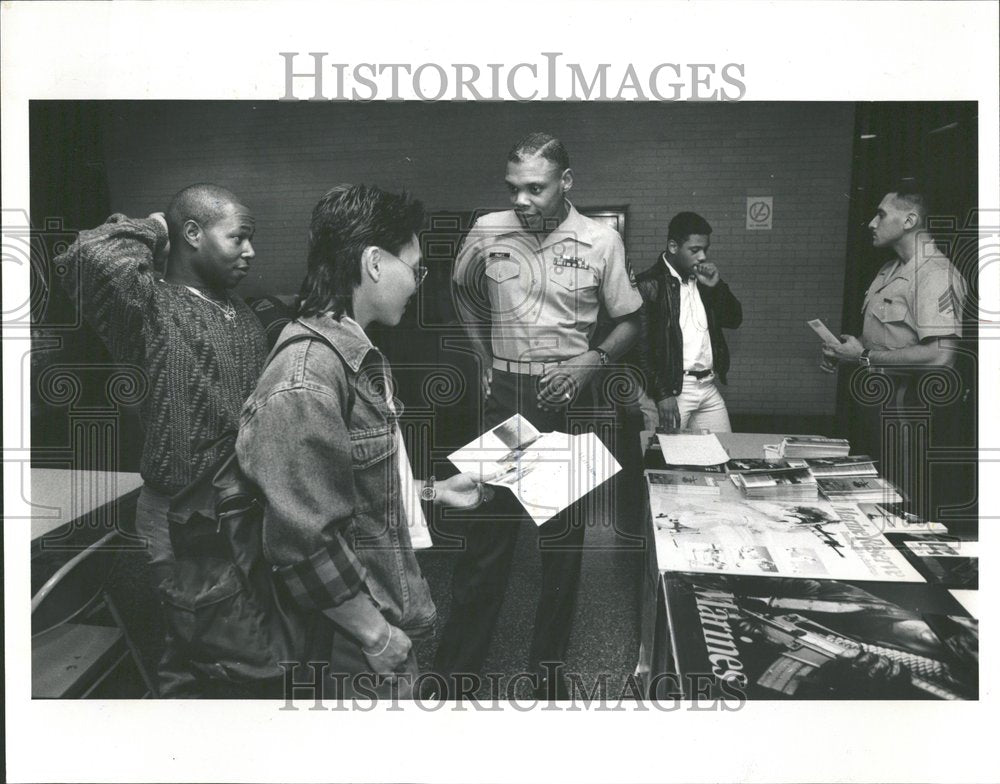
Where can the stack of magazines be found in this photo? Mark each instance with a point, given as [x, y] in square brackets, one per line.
[863, 489]
[739, 465]
[813, 446]
[848, 465]
[785, 484]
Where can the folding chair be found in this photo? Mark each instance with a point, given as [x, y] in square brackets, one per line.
[79, 644]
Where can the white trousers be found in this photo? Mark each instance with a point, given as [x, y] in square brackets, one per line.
[700, 404]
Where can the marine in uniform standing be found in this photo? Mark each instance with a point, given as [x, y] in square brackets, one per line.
[529, 283]
[912, 318]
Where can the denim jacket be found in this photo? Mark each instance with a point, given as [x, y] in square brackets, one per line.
[319, 439]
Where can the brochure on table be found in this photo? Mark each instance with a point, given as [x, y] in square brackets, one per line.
[692, 449]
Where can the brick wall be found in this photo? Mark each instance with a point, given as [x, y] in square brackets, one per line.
[657, 159]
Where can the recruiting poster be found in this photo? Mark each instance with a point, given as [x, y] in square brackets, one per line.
[791, 539]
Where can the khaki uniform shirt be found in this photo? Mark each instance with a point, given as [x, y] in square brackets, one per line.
[544, 296]
[908, 303]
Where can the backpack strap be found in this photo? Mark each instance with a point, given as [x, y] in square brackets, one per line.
[312, 334]
[208, 444]
[289, 341]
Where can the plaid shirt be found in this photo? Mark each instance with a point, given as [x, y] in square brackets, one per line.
[326, 578]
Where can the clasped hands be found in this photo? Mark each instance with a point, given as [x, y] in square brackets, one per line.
[560, 384]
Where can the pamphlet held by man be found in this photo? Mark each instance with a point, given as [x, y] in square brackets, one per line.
[546, 471]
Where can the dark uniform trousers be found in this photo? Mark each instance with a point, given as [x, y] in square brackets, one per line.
[896, 424]
[480, 577]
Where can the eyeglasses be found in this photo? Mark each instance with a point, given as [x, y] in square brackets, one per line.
[419, 270]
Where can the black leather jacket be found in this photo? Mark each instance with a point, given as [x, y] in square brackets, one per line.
[660, 351]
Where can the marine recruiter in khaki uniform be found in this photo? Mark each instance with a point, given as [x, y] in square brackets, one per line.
[537, 276]
[908, 304]
[913, 309]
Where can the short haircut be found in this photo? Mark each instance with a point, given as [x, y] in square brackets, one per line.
[538, 143]
[915, 195]
[202, 202]
[348, 219]
[684, 224]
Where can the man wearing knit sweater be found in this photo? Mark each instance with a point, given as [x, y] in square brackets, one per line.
[200, 348]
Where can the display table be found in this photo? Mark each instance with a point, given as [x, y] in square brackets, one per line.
[654, 653]
[792, 600]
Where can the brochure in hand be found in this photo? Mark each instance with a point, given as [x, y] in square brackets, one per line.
[546, 471]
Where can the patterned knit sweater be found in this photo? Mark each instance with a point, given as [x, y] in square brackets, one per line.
[199, 365]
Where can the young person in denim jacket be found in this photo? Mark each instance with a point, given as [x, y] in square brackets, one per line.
[320, 437]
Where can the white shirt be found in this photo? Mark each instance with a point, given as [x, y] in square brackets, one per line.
[694, 324]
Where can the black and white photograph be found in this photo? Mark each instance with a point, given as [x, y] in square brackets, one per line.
[270, 289]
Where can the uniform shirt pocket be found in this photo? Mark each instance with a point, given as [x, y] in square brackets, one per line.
[892, 311]
[573, 278]
[502, 270]
[897, 329]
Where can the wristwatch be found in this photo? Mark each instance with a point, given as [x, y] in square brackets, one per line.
[602, 355]
[428, 493]
[865, 359]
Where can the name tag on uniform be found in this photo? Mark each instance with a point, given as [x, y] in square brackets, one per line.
[573, 262]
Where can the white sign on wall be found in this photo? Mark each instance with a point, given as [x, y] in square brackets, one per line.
[760, 211]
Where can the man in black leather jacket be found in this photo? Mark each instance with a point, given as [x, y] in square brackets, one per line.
[681, 350]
